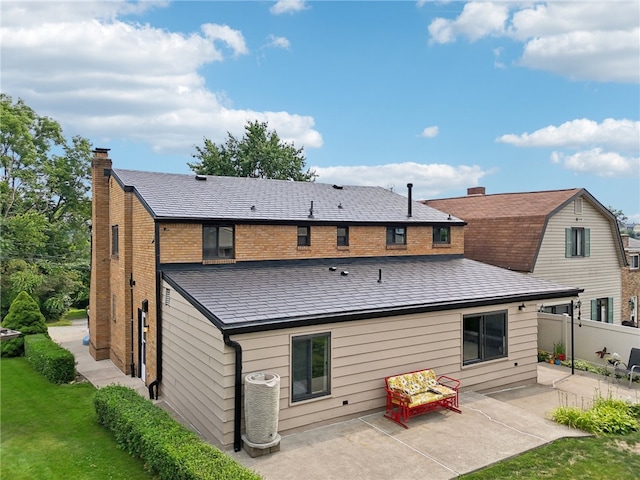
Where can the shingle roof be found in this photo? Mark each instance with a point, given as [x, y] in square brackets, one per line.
[176, 196]
[505, 229]
[265, 295]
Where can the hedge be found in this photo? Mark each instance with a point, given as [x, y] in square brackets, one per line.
[167, 448]
[55, 363]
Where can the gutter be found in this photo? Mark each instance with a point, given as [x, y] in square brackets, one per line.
[237, 411]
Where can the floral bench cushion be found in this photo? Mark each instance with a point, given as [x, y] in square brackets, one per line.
[420, 387]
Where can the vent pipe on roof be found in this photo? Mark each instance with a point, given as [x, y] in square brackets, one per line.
[311, 210]
[379, 275]
[202, 178]
[409, 187]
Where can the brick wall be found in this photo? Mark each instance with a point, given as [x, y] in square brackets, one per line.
[630, 282]
[100, 295]
[183, 242]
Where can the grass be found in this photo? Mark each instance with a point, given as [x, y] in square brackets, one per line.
[50, 431]
[607, 457]
[75, 314]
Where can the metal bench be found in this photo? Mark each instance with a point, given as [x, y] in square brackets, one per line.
[632, 368]
[415, 393]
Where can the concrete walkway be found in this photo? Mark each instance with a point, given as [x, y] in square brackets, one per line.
[438, 446]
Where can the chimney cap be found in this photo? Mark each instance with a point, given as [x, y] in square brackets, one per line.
[101, 150]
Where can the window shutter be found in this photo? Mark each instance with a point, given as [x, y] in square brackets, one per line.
[567, 242]
[587, 242]
[610, 310]
[594, 310]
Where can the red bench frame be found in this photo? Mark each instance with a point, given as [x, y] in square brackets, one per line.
[398, 408]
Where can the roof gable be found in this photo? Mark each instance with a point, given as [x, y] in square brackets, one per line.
[176, 196]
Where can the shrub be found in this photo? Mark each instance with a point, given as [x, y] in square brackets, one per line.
[56, 364]
[606, 416]
[25, 316]
[168, 449]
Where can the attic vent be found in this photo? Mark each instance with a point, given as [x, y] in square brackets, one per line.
[333, 269]
[338, 187]
[167, 296]
[577, 206]
[344, 273]
[201, 178]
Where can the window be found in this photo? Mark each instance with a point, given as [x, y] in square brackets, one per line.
[602, 310]
[217, 241]
[577, 242]
[396, 235]
[484, 337]
[114, 241]
[442, 235]
[343, 236]
[310, 366]
[304, 236]
[634, 262]
[558, 309]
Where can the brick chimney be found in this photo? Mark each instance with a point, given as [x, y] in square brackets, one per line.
[100, 291]
[625, 240]
[475, 191]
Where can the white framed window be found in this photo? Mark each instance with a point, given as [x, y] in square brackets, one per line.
[634, 261]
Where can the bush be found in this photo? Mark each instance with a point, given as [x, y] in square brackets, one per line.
[25, 316]
[606, 416]
[168, 449]
[56, 364]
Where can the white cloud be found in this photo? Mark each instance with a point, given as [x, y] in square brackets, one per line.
[579, 40]
[278, 42]
[288, 6]
[617, 134]
[232, 38]
[429, 180]
[600, 163]
[477, 20]
[430, 132]
[598, 145]
[106, 79]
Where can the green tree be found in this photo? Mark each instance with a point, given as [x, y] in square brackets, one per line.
[44, 210]
[259, 154]
[24, 316]
[621, 218]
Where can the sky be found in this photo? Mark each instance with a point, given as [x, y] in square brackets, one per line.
[512, 96]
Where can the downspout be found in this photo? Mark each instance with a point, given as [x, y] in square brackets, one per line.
[131, 284]
[572, 350]
[237, 438]
[155, 384]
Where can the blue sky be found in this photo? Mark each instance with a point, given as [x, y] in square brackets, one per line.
[513, 96]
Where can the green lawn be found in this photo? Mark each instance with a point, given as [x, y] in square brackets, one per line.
[593, 458]
[50, 431]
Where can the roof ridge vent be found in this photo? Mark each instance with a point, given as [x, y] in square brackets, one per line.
[201, 178]
[338, 187]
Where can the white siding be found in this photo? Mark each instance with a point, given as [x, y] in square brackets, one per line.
[198, 369]
[598, 274]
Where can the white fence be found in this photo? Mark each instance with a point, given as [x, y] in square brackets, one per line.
[589, 336]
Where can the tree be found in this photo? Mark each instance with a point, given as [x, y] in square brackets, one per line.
[621, 219]
[259, 154]
[44, 210]
[24, 316]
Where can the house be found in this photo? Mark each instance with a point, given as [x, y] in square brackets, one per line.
[197, 281]
[631, 280]
[564, 236]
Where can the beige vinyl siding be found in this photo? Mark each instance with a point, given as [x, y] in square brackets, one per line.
[598, 274]
[199, 369]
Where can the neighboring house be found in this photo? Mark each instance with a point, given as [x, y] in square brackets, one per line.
[564, 236]
[631, 280]
[199, 280]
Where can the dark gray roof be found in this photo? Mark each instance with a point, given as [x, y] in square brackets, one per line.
[263, 296]
[176, 196]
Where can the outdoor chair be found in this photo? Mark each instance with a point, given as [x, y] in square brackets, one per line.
[631, 368]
